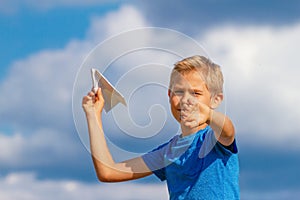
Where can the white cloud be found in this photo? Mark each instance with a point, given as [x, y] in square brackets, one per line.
[260, 65]
[126, 18]
[42, 86]
[41, 148]
[26, 186]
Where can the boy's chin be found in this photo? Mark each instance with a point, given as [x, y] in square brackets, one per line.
[200, 126]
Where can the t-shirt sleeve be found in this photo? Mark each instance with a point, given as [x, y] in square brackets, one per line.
[210, 141]
[232, 148]
[155, 161]
[228, 150]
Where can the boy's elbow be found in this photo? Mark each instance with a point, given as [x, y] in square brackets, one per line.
[228, 134]
[104, 177]
[229, 130]
[103, 172]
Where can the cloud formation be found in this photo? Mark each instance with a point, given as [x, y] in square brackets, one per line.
[41, 148]
[26, 186]
[198, 16]
[12, 187]
[261, 79]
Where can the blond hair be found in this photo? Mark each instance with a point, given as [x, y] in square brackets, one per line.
[211, 72]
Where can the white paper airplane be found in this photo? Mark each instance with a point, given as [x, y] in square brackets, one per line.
[110, 94]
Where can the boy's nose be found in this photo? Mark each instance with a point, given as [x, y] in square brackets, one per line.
[185, 98]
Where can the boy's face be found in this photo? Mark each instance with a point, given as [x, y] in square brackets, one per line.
[188, 87]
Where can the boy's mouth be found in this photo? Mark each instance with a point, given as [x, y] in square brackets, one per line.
[181, 110]
[182, 113]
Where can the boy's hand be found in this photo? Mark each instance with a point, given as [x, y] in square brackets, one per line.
[194, 113]
[93, 103]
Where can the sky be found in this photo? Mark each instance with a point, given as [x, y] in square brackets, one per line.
[47, 47]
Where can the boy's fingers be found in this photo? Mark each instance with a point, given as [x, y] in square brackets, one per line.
[91, 94]
[191, 102]
[87, 97]
[190, 119]
[94, 90]
[98, 91]
[186, 107]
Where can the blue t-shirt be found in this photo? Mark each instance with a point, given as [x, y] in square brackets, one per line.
[196, 167]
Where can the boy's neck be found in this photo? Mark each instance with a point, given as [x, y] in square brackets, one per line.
[189, 131]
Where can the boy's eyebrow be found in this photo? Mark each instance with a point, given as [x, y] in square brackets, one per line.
[196, 90]
[182, 87]
[177, 87]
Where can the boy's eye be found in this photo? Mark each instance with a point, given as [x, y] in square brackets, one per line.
[197, 93]
[178, 92]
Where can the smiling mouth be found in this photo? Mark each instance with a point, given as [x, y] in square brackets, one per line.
[181, 114]
[181, 110]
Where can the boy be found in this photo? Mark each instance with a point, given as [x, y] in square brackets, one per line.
[201, 162]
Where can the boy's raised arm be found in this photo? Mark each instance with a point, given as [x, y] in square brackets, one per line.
[106, 168]
[201, 113]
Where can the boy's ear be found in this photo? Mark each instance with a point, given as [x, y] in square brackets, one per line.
[169, 95]
[216, 100]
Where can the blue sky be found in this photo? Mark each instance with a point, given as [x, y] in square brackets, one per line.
[44, 44]
[29, 29]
